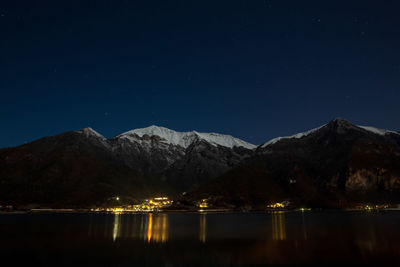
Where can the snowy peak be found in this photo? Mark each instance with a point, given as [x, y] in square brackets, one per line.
[339, 125]
[223, 140]
[89, 132]
[185, 139]
[167, 135]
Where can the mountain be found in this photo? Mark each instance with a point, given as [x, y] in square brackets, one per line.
[83, 167]
[71, 169]
[335, 165]
[185, 139]
[155, 149]
[183, 159]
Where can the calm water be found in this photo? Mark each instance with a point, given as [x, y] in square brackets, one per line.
[206, 239]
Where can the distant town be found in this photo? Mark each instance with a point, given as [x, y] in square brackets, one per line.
[164, 203]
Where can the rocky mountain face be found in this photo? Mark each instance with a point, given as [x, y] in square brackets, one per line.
[331, 166]
[184, 160]
[83, 167]
[202, 163]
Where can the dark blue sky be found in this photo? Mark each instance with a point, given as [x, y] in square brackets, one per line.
[253, 69]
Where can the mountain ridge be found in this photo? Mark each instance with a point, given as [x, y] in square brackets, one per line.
[183, 139]
[90, 168]
[324, 165]
[331, 166]
[336, 120]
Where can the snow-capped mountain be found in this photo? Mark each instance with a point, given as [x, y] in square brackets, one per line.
[185, 159]
[157, 148]
[342, 126]
[334, 162]
[185, 139]
[335, 165]
[84, 167]
[89, 132]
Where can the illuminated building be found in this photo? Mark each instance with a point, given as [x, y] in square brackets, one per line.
[278, 205]
[203, 204]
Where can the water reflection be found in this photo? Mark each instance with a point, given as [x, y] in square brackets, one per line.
[203, 228]
[151, 227]
[304, 225]
[300, 231]
[365, 234]
[207, 239]
[157, 228]
[116, 230]
[278, 225]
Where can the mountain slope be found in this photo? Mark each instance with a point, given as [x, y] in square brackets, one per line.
[68, 169]
[202, 163]
[333, 165]
[183, 159]
[83, 167]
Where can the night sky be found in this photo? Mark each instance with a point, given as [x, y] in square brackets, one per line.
[252, 69]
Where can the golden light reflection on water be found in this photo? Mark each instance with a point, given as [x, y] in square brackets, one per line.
[304, 225]
[116, 229]
[203, 228]
[157, 228]
[148, 227]
[287, 233]
[278, 225]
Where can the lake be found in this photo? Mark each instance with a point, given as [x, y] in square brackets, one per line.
[93, 239]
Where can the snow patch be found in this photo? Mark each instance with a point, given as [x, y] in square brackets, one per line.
[88, 132]
[377, 131]
[185, 139]
[297, 136]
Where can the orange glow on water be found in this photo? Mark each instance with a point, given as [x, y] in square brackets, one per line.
[150, 227]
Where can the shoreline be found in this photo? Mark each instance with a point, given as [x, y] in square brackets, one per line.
[47, 211]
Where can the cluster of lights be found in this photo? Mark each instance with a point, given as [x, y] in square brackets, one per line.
[304, 209]
[277, 205]
[375, 207]
[148, 205]
[203, 204]
[368, 207]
